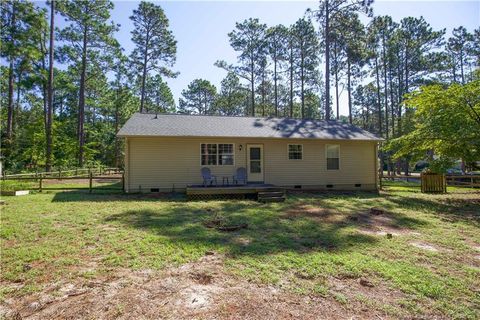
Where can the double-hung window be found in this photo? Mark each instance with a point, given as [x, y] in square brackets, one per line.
[333, 156]
[213, 154]
[295, 152]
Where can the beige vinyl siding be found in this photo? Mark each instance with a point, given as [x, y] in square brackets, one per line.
[173, 163]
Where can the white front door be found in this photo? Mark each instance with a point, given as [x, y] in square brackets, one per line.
[255, 162]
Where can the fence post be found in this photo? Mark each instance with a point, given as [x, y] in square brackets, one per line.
[90, 183]
[40, 185]
[123, 181]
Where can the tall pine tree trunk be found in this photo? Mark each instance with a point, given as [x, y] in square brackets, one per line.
[81, 102]
[291, 81]
[252, 84]
[264, 93]
[461, 66]
[302, 82]
[385, 81]
[327, 60]
[392, 101]
[379, 103]
[349, 90]
[16, 112]
[454, 68]
[399, 98]
[144, 77]
[48, 128]
[10, 88]
[275, 84]
[116, 125]
[10, 103]
[335, 58]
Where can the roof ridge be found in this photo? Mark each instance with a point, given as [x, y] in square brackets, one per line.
[231, 116]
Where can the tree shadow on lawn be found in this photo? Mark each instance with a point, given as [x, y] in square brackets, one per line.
[269, 229]
[114, 195]
[447, 209]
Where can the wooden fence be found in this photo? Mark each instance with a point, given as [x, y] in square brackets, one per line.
[469, 181]
[59, 173]
[433, 183]
[90, 178]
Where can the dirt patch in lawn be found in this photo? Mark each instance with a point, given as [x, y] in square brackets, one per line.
[317, 213]
[373, 222]
[424, 246]
[196, 290]
[380, 222]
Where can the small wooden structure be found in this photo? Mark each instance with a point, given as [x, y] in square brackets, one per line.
[433, 182]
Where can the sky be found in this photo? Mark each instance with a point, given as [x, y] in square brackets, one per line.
[201, 28]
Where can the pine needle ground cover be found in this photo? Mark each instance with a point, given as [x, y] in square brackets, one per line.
[111, 255]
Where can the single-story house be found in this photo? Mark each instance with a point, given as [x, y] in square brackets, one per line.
[166, 152]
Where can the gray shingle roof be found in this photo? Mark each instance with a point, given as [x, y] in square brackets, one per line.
[175, 125]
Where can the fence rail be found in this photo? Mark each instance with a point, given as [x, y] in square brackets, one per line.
[64, 173]
[40, 179]
[472, 181]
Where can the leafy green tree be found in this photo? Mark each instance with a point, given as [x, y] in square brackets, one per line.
[198, 98]
[155, 45]
[446, 121]
[90, 45]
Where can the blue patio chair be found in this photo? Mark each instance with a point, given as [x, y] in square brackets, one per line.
[208, 177]
[240, 176]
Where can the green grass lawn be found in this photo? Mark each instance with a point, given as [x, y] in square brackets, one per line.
[423, 250]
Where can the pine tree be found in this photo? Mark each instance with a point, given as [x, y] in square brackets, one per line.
[198, 98]
[20, 22]
[306, 56]
[277, 38]
[91, 33]
[249, 40]
[155, 45]
[233, 97]
[328, 12]
[49, 121]
[158, 96]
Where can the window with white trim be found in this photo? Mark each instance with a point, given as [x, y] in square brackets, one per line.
[295, 152]
[213, 154]
[333, 156]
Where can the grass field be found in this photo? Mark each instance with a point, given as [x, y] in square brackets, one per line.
[419, 256]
